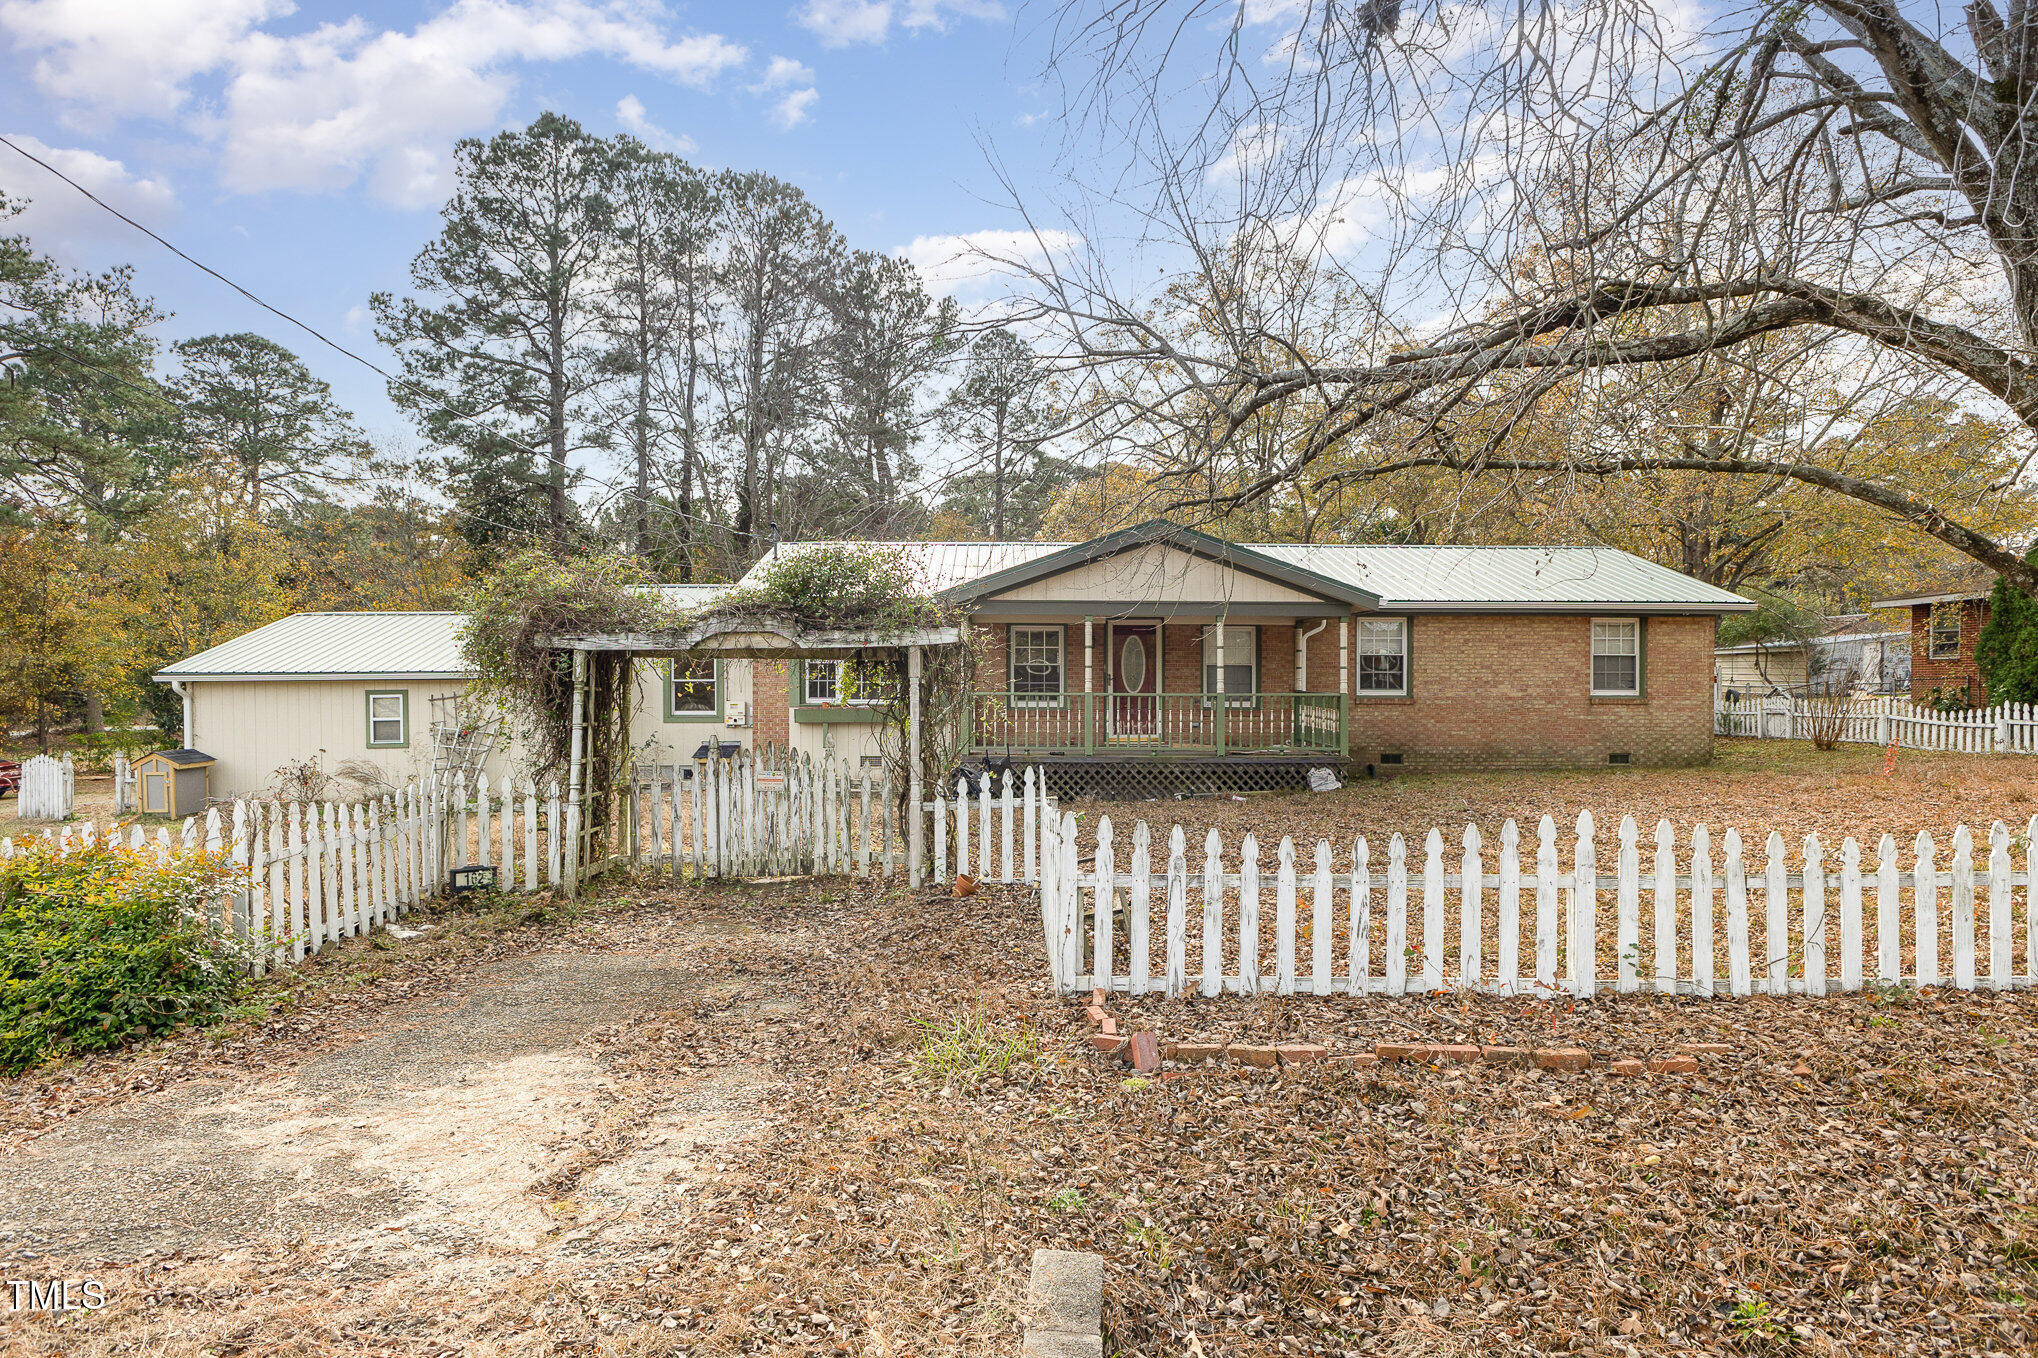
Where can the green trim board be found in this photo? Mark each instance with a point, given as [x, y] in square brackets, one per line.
[816, 714]
[1174, 610]
[403, 716]
[714, 712]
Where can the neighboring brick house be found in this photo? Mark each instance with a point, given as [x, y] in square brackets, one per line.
[1946, 622]
[1160, 645]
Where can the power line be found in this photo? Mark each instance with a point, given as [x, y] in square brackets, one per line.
[422, 393]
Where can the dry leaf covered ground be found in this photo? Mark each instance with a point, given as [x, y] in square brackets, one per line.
[1754, 786]
[845, 1117]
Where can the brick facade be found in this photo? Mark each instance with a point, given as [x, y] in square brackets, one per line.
[1951, 673]
[771, 713]
[1515, 691]
[1488, 690]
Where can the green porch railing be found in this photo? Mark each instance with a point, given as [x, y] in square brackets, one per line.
[1159, 725]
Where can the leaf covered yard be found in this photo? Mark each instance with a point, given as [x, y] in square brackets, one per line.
[1857, 1175]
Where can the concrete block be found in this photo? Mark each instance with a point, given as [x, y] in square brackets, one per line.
[1065, 1306]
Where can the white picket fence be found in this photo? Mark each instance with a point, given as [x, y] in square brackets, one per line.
[1341, 922]
[318, 872]
[2008, 728]
[770, 813]
[313, 872]
[48, 788]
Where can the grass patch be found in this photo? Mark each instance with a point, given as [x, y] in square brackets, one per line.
[969, 1051]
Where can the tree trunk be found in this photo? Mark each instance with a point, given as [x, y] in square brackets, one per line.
[998, 478]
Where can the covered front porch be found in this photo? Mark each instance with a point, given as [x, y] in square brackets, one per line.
[1184, 689]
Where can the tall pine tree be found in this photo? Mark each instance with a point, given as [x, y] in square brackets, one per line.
[501, 347]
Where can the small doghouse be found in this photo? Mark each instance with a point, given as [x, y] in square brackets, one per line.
[173, 782]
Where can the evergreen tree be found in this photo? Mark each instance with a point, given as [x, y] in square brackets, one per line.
[1000, 415]
[655, 314]
[2007, 649]
[257, 404]
[503, 352]
[887, 340]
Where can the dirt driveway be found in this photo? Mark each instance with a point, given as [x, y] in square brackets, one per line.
[429, 1129]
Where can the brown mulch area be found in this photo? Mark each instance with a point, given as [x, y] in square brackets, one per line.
[1861, 1177]
[1754, 786]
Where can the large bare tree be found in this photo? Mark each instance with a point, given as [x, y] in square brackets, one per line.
[1529, 197]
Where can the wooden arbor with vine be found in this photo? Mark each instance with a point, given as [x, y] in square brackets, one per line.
[598, 722]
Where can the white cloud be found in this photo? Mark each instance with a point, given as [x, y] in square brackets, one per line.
[933, 13]
[59, 218]
[125, 59]
[796, 78]
[631, 113]
[976, 262]
[789, 112]
[784, 71]
[840, 23]
[322, 109]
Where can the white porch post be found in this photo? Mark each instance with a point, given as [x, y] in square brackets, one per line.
[575, 744]
[1089, 688]
[913, 826]
[1344, 659]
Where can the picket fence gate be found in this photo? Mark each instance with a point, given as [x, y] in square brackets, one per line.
[1544, 934]
[771, 813]
[48, 788]
[2007, 728]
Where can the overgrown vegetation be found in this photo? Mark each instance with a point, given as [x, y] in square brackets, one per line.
[104, 945]
[849, 585]
[535, 599]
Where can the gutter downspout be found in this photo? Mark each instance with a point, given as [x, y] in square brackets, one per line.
[177, 687]
[1302, 675]
[1302, 654]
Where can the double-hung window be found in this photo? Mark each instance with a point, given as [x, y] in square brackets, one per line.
[1036, 659]
[1945, 643]
[1616, 657]
[840, 683]
[1241, 652]
[690, 691]
[388, 719]
[1383, 655]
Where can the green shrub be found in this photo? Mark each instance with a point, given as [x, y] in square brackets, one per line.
[105, 944]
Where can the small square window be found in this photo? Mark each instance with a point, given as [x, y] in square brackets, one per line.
[691, 691]
[387, 719]
[1616, 656]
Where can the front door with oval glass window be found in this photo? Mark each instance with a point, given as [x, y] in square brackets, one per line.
[1135, 681]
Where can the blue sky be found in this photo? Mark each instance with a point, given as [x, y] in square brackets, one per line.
[301, 149]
